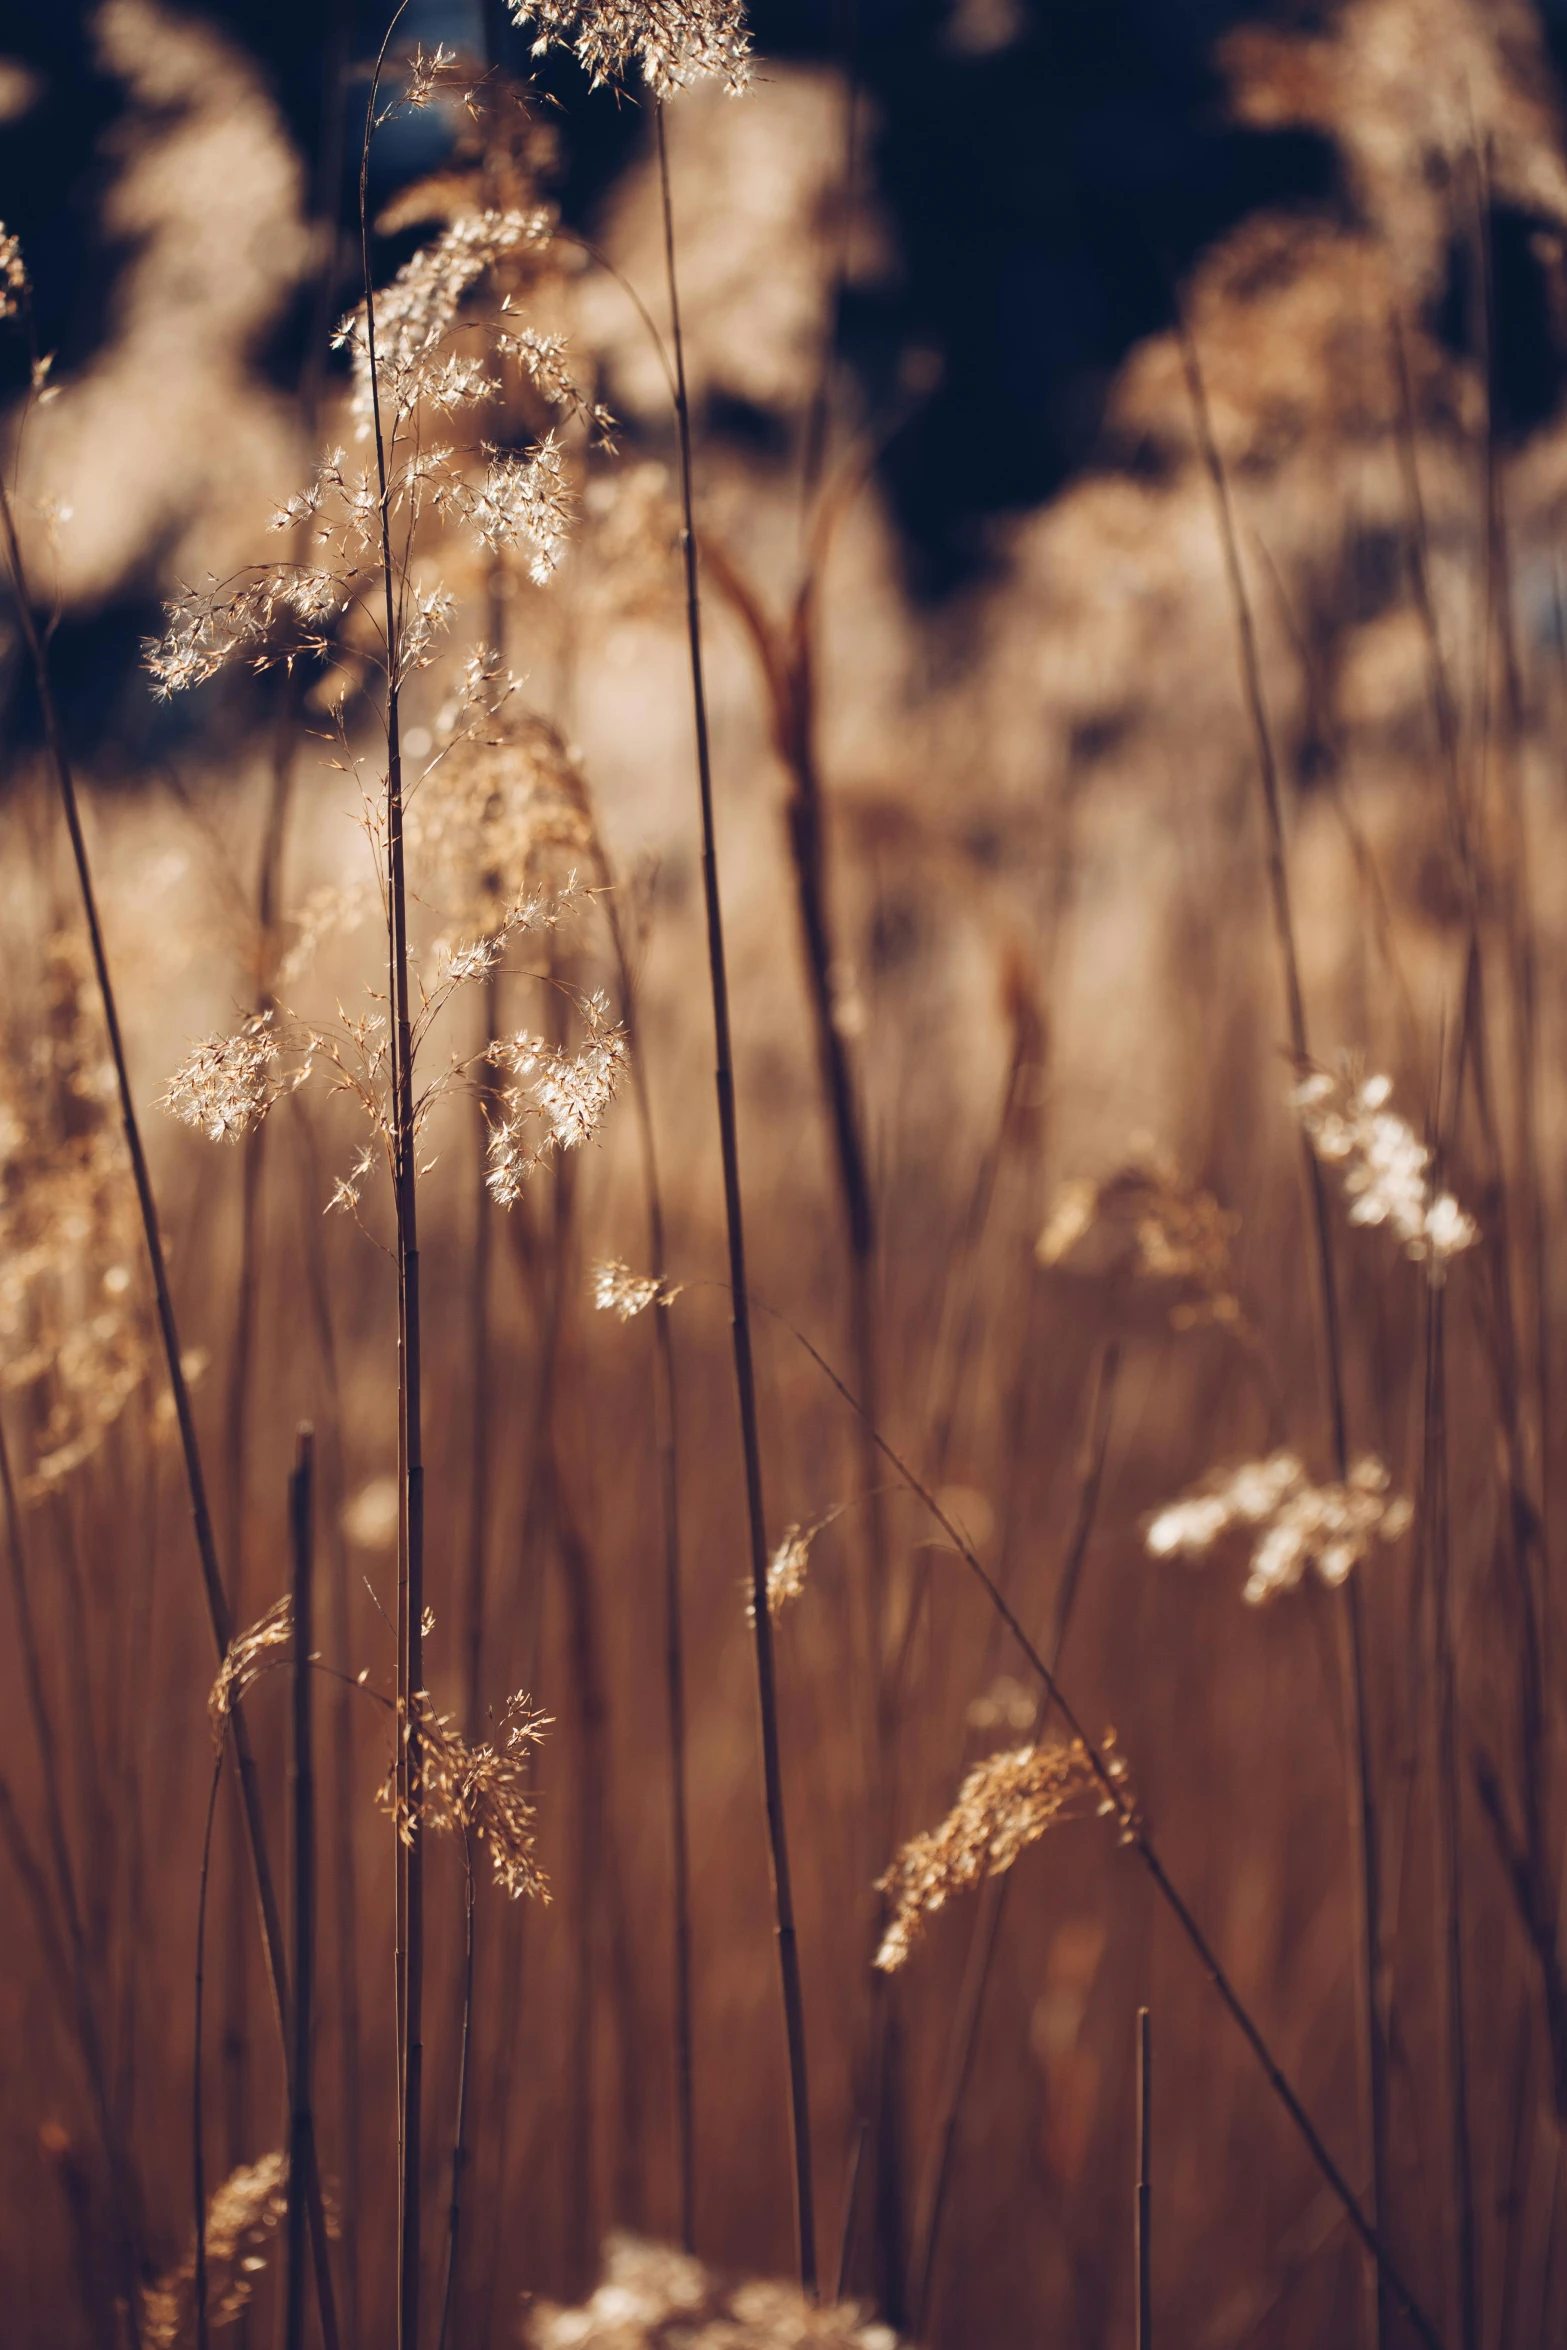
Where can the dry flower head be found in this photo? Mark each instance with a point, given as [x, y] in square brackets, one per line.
[652, 2297]
[619, 1291]
[1384, 1166]
[1145, 1224]
[480, 1791]
[1293, 1523]
[243, 2218]
[1005, 1804]
[672, 43]
[250, 1654]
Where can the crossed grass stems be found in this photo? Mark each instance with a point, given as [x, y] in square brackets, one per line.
[411, 1601]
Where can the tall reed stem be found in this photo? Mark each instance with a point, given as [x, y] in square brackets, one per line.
[460, 2127]
[218, 1612]
[1142, 2236]
[1364, 1833]
[198, 2132]
[668, 1438]
[745, 1374]
[301, 2117]
[410, 1579]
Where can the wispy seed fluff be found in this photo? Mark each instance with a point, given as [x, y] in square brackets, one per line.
[569, 1094]
[250, 1654]
[672, 42]
[619, 1291]
[242, 2225]
[1005, 1804]
[226, 1084]
[652, 2297]
[1385, 1166]
[477, 1790]
[1294, 1524]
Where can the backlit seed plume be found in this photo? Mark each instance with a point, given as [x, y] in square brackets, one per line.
[415, 314]
[1143, 1225]
[242, 2224]
[250, 1654]
[1385, 1166]
[1005, 1804]
[617, 1290]
[14, 284]
[786, 1569]
[652, 2297]
[478, 1789]
[567, 1094]
[226, 1085]
[525, 502]
[270, 618]
[1293, 1523]
[673, 43]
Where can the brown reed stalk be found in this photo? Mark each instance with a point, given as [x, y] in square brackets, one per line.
[459, 2128]
[268, 904]
[344, 1863]
[218, 1613]
[301, 2112]
[1363, 1824]
[1135, 1833]
[198, 2135]
[963, 2039]
[410, 1578]
[124, 2194]
[745, 1374]
[1444, 1690]
[667, 1438]
[1142, 2232]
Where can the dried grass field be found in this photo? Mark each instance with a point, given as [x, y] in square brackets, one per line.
[918, 1694]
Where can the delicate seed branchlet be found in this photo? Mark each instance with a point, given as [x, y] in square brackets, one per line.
[1005, 1804]
[1293, 1523]
[569, 1094]
[652, 2297]
[226, 1085]
[15, 285]
[250, 1654]
[787, 1567]
[619, 1291]
[243, 2218]
[478, 1789]
[672, 43]
[1384, 1166]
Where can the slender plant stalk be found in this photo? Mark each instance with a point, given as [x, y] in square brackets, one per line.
[1364, 1830]
[459, 2131]
[1450, 1838]
[198, 2134]
[123, 2192]
[301, 2115]
[344, 1811]
[667, 1428]
[1136, 1835]
[963, 2040]
[745, 1374]
[410, 1580]
[218, 1612]
[1142, 2237]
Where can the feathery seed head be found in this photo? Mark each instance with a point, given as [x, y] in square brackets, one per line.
[617, 1290]
[1294, 1524]
[672, 42]
[480, 1790]
[1385, 1167]
[250, 1654]
[1005, 1804]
